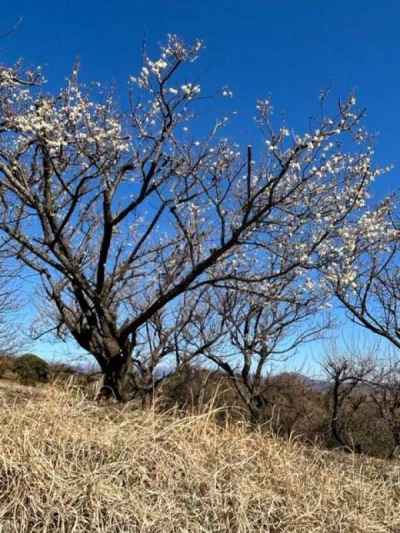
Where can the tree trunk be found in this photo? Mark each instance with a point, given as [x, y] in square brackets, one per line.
[118, 380]
[257, 409]
[335, 422]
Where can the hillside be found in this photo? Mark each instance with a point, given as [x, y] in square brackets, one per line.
[67, 464]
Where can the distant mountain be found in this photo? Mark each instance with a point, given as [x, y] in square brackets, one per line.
[318, 385]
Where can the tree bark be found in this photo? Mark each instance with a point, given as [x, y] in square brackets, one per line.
[118, 380]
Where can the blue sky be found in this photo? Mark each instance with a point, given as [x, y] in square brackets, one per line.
[288, 50]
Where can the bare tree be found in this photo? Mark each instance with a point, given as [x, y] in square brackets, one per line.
[385, 394]
[124, 214]
[346, 375]
[10, 302]
[265, 328]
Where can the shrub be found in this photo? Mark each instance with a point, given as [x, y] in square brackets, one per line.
[5, 365]
[294, 407]
[194, 389]
[31, 369]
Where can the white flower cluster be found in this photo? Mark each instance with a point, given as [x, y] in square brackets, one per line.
[175, 51]
[227, 93]
[7, 78]
[70, 120]
[190, 90]
[178, 49]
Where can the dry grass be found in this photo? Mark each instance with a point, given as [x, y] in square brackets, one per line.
[69, 465]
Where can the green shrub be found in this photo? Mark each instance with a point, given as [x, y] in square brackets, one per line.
[31, 369]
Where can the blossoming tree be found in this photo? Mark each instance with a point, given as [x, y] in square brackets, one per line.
[134, 223]
[366, 277]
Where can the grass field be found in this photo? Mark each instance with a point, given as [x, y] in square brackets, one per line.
[68, 465]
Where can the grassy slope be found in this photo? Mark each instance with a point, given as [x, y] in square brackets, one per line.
[69, 465]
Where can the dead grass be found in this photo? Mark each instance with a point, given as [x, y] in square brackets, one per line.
[68, 465]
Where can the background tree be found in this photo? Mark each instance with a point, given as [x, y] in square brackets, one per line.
[348, 390]
[124, 214]
[11, 339]
[262, 329]
[385, 394]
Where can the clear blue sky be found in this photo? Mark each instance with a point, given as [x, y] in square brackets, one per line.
[288, 50]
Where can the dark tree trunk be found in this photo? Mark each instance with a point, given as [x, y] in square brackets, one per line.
[257, 409]
[395, 429]
[118, 379]
[335, 431]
